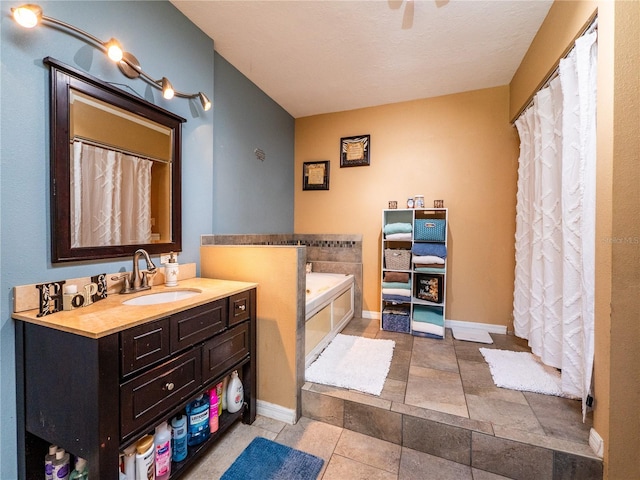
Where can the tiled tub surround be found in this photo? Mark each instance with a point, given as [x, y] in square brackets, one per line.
[277, 264]
[446, 405]
[330, 253]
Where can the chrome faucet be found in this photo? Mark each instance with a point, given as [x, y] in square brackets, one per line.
[139, 280]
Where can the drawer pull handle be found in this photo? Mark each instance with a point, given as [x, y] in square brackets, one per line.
[241, 307]
[169, 386]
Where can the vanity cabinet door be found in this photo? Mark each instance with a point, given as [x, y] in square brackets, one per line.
[143, 345]
[197, 324]
[224, 351]
[147, 397]
[239, 307]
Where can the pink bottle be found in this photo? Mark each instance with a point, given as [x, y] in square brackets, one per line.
[213, 410]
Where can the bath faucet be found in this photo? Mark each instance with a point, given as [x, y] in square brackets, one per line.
[139, 280]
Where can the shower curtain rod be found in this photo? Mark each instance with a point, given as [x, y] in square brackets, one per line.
[96, 143]
[592, 26]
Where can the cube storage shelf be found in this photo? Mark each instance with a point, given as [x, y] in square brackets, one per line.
[413, 296]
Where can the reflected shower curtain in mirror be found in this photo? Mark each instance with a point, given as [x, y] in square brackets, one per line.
[118, 212]
[555, 221]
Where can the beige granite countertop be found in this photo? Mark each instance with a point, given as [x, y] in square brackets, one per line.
[110, 315]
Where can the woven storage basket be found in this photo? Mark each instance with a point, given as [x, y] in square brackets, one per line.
[397, 259]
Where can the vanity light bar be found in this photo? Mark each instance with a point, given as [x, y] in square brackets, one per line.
[30, 15]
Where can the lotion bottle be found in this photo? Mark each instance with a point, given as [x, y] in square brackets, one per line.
[171, 271]
[61, 465]
[130, 462]
[162, 445]
[48, 462]
[235, 393]
[225, 384]
[219, 393]
[80, 472]
[145, 466]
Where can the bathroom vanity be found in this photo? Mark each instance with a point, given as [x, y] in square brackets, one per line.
[96, 379]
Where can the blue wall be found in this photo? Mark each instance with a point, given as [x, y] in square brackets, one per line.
[222, 193]
[246, 119]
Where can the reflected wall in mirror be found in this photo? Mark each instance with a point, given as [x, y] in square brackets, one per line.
[115, 170]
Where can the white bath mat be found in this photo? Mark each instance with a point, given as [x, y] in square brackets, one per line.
[471, 335]
[522, 371]
[356, 363]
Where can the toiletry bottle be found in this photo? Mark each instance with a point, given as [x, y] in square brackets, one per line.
[130, 462]
[80, 472]
[179, 438]
[197, 421]
[61, 465]
[48, 462]
[171, 270]
[219, 393]
[145, 467]
[225, 385]
[213, 410]
[162, 445]
[235, 393]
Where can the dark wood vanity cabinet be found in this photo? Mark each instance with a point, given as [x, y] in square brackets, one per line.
[95, 396]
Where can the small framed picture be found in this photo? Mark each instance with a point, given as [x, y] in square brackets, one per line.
[354, 151]
[315, 175]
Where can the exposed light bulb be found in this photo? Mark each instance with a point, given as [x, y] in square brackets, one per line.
[114, 50]
[167, 89]
[28, 15]
[204, 100]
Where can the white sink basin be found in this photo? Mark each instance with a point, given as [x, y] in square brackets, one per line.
[162, 297]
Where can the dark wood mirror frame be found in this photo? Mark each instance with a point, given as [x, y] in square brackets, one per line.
[64, 77]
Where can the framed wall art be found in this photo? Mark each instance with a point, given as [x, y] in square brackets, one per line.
[430, 287]
[354, 151]
[315, 175]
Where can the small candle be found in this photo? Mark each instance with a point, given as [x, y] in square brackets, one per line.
[70, 289]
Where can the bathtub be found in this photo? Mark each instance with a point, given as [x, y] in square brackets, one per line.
[328, 308]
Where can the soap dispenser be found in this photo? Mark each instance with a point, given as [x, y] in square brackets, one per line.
[171, 270]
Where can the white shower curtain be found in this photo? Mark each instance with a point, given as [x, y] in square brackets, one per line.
[110, 197]
[555, 221]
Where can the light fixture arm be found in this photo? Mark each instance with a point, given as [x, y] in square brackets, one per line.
[127, 62]
[55, 21]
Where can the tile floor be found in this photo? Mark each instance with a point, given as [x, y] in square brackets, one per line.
[442, 377]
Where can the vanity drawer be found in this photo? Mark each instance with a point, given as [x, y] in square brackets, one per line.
[239, 307]
[148, 396]
[143, 345]
[197, 324]
[224, 351]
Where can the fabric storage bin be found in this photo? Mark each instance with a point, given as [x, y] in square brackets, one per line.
[397, 259]
[430, 229]
[396, 319]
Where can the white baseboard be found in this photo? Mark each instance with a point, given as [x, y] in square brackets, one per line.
[371, 314]
[487, 327]
[277, 412]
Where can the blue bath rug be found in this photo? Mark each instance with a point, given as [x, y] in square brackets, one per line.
[267, 460]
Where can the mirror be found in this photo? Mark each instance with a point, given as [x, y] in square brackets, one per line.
[115, 170]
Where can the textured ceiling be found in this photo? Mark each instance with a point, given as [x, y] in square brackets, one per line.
[315, 57]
